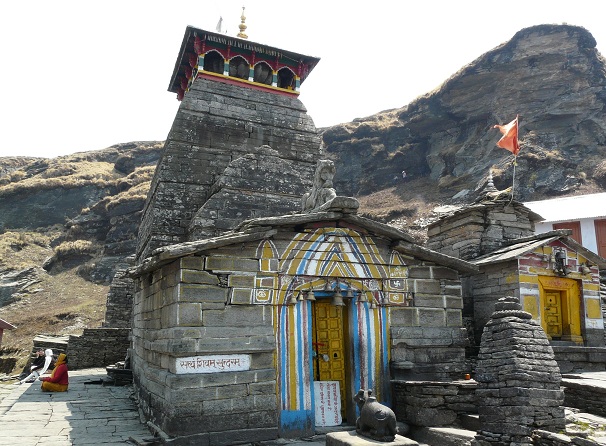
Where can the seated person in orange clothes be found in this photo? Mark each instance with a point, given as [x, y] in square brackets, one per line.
[58, 380]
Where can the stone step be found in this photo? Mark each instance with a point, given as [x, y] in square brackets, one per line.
[444, 436]
[351, 438]
[470, 421]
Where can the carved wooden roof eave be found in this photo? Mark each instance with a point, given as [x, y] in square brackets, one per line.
[187, 43]
[263, 228]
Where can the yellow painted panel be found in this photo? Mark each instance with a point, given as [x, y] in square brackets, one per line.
[559, 283]
[530, 305]
[561, 304]
[593, 308]
[591, 286]
[553, 314]
[524, 278]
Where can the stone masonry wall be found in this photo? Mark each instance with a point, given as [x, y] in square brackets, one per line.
[255, 185]
[427, 403]
[216, 124]
[483, 290]
[479, 229]
[119, 305]
[181, 311]
[586, 397]
[428, 339]
[98, 347]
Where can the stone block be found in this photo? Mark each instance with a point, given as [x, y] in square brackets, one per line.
[209, 394]
[190, 276]
[238, 316]
[229, 264]
[198, 293]
[419, 272]
[430, 416]
[241, 296]
[241, 281]
[262, 361]
[427, 286]
[429, 300]
[454, 302]
[241, 436]
[264, 388]
[430, 317]
[219, 379]
[454, 318]
[440, 272]
[404, 316]
[352, 438]
[168, 316]
[191, 262]
[243, 344]
[262, 418]
[189, 314]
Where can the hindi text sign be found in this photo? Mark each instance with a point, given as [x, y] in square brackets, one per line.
[327, 397]
[212, 364]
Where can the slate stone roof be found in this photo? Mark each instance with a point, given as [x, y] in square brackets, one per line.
[528, 244]
[260, 228]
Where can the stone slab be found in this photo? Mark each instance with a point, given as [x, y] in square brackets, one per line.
[351, 438]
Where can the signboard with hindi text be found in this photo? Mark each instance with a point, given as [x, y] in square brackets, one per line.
[327, 398]
[212, 364]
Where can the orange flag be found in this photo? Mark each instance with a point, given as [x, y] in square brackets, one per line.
[509, 140]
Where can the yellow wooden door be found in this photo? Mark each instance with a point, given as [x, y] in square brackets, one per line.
[562, 316]
[329, 345]
[553, 314]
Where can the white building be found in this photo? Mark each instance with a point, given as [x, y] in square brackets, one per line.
[585, 215]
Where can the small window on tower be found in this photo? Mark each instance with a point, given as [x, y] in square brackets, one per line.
[213, 62]
[286, 79]
[238, 67]
[263, 73]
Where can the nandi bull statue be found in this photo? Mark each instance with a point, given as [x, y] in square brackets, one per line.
[376, 420]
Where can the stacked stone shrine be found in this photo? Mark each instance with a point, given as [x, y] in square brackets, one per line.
[518, 379]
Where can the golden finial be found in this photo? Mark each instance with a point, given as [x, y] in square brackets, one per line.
[242, 26]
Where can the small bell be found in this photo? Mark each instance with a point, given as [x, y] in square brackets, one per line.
[337, 300]
[362, 297]
[373, 305]
[293, 299]
[311, 295]
[301, 296]
[349, 294]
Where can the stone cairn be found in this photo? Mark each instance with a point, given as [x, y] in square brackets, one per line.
[518, 379]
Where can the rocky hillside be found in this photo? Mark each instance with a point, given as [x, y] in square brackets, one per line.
[73, 220]
[67, 224]
[552, 76]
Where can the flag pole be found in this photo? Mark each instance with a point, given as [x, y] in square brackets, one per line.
[509, 141]
[513, 180]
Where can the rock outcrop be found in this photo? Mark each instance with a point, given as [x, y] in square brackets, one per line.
[551, 75]
[96, 196]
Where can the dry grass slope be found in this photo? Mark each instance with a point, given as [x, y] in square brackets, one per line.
[61, 303]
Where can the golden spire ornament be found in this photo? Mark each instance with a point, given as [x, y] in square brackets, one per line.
[242, 26]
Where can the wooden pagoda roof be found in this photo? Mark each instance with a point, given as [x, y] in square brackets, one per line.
[187, 48]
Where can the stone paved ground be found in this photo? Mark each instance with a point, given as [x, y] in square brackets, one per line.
[87, 414]
[92, 414]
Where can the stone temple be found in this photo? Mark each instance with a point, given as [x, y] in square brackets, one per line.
[245, 304]
[263, 302]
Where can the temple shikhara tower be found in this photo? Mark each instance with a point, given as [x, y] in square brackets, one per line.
[241, 145]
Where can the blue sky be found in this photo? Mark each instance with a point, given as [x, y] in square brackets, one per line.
[80, 76]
